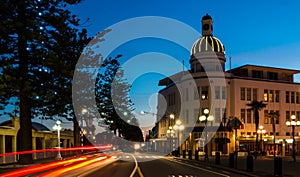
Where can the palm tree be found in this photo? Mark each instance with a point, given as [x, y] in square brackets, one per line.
[273, 115]
[256, 106]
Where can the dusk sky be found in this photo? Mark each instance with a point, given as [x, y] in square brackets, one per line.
[253, 32]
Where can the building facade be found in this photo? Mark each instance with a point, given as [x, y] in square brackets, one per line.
[226, 94]
[42, 138]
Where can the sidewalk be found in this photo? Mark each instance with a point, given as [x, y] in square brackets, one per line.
[262, 166]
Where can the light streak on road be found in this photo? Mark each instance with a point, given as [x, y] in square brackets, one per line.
[71, 168]
[41, 167]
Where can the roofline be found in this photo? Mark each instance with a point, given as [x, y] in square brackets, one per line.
[260, 66]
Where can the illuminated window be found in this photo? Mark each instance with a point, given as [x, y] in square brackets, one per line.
[266, 118]
[265, 95]
[243, 115]
[204, 92]
[271, 96]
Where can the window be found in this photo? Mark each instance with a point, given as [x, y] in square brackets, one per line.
[266, 118]
[217, 92]
[224, 93]
[287, 133]
[277, 133]
[187, 116]
[248, 94]
[243, 115]
[257, 74]
[249, 116]
[196, 114]
[217, 115]
[196, 93]
[265, 95]
[277, 96]
[224, 112]
[277, 119]
[287, 96]
[287, 115]
[271, 96]
[292, 97]
[272, 75]
[298, 114]
[248, 133]
[204, 92]
[242, 93]
[255, 94]
[171, 99]
[297, 97]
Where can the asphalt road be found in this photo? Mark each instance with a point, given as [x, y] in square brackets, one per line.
[122, 165]
[128, 165]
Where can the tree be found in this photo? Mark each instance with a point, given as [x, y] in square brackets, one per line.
[273, 115]
[112, 98]
[40, 44]
[256, 106]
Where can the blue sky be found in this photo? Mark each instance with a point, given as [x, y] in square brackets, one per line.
[257, 32]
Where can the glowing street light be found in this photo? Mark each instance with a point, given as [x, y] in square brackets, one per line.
[261, 131]
[57, 127]
[293, 123]
[204, 119]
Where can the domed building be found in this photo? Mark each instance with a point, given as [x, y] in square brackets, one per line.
[205, 99]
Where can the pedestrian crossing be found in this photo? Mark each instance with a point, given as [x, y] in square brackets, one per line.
[138, 157]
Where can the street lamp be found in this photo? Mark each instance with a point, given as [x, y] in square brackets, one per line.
[57, 127]
[293, 123]
[261, 131]
[178, 127]
[204, 119]
[170, 133]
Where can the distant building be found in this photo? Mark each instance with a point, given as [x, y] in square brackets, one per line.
[42, 138]
[226, 94]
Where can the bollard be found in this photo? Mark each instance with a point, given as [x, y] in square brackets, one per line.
[190, 154]
[231, 160]
[183, 154]
[196, 155]
[250, 163]
[278, 166]
[218, 159]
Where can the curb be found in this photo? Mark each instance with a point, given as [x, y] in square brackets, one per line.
[220, 167]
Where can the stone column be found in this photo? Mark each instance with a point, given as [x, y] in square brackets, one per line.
[14, 147]
[2, 149]
[34, 147]
[44, 146]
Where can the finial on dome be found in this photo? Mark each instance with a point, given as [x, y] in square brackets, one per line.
[206, 17]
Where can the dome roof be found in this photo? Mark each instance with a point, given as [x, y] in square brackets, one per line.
[207, 44]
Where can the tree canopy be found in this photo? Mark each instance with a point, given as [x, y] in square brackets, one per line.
[40, 44]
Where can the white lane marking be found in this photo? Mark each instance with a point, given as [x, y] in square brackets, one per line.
[135, 168]
[199, 168]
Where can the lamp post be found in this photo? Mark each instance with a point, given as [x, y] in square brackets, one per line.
[293, 123]
[178, 127]
[170, 132]
[57, 127]
[261, 131]
[204, 119]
